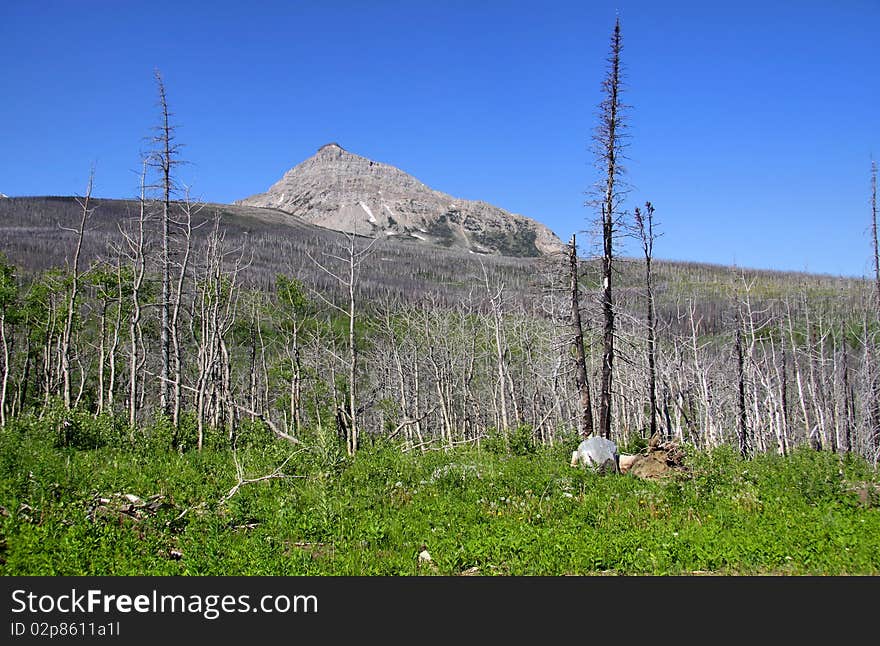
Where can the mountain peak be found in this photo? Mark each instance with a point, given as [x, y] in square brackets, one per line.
[340, 190]
[331, 147]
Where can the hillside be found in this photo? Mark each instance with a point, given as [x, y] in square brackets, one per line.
[33, 237]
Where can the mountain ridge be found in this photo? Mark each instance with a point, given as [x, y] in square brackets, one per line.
[346, 192]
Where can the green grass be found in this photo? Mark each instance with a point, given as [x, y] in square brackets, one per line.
[527, 514]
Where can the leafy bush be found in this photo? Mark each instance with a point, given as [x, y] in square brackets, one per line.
[516, 441]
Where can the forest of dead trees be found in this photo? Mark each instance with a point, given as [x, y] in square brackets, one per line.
[211, 317]
[760, 360]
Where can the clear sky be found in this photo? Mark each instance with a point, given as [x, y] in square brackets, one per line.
[752, 124]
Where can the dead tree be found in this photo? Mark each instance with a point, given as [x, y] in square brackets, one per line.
[164, 159]
[874, 229]
[135, 251]
[585, 418]
[352, 261]
[783, 393]
[848, 412]
[871, 392]
[645, 227]
[290, 308]
[188, 210]
[797, 371]
[609, 148]
[74, 291]
[114, 342]
[106, 283]
[742, 422]
[8, 297]
[495, 298]
[215, 305]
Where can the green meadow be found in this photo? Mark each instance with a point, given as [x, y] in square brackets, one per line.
[86, 496]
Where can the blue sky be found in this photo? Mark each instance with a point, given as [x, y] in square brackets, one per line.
[752, 124]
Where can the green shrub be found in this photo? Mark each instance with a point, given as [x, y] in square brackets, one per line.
[516, 441]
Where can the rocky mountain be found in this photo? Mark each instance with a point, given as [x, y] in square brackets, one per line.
[345, 192]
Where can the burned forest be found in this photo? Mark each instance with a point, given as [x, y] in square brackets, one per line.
[235, 388]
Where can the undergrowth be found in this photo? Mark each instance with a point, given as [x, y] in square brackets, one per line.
[475, 510]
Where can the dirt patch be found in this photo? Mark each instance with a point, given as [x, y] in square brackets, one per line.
[868, 493]
[660, 459]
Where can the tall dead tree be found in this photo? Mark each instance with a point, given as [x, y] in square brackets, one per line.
[74, 291]
[113, 341]
[164, 159]
[645, 228]
[609, 149]
[585, 416]
[742, 421]
[848, 413]
[495, 299]
[347, 281]
[874, 229]
[290, 308]
[188, 210]
[8, 298]
[134, 249]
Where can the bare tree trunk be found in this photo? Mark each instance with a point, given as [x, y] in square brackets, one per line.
[21, 391]
[102, 334]
[293, 354]
[777, 393]
[164, 159]
[585, 418]
[210, 302]
[352, 262]
[230, 413]
[797, 375]
[4, 381]
[783, 393]
[874, 230]
[8, 301]
[137, 253]
[82, 379]
[264, 373]
[495, 303]
[352, 358]
[174, 314]
[847, 417]
[646, 233]
[114, 344]
[815, 437]
[401, 386]
[871, 394]
[416, 401]
[610, 149]
[74, 293]
[710, 424]
[252, 372]
[741, 394]
[817, 343]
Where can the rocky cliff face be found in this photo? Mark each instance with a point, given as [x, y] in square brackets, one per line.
[346, 192]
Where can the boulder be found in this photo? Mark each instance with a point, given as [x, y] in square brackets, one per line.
[596, 453]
